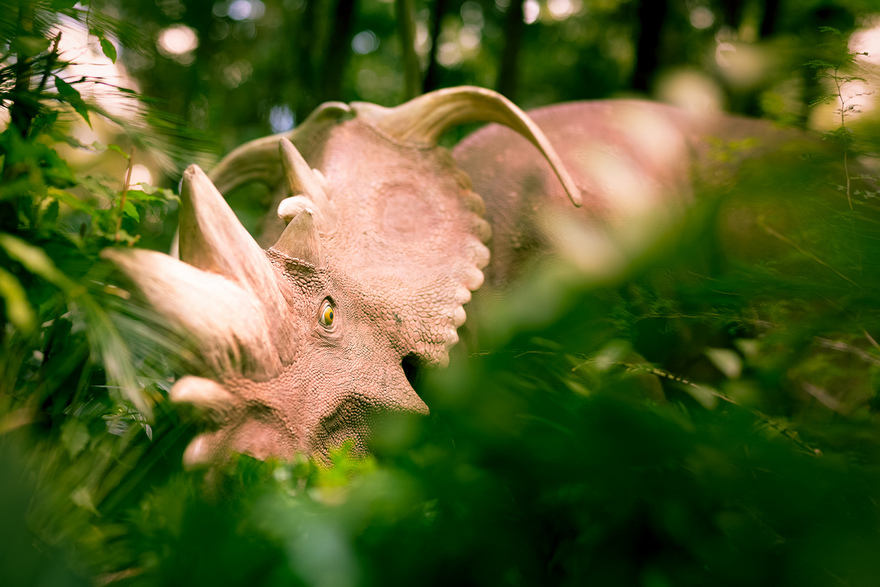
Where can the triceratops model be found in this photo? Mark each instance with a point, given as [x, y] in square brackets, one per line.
[380, 242]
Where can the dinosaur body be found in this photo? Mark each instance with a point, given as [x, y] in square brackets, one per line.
[638, 165]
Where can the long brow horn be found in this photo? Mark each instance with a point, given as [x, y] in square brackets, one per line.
[300, 177]
[424, 119]
[213, 239]
[306, 188]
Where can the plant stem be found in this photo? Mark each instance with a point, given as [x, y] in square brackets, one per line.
[50, 63]
[124, 193]
[843, 102]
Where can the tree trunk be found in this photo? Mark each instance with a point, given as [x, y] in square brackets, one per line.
[406, 28]
[732, 10]
[337, 52]
[508, 72]
[651, 14]
[770, 18]
[432, 76]
[308, 44]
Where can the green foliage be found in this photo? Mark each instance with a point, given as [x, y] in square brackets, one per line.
[74, 390]
[708, 418]
[844, 60]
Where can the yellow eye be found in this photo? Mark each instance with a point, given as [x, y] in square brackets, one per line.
[327, 314]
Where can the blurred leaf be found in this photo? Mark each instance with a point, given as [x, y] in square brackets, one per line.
[707, 398]
[74, 435]
[109, 49]
[35, 260]
[72, 96]
[159, 193]
[18, 309]
[130, 210]
[727, 361]
[118, 149]
[68, 199]
[83, 498]
[29, 46]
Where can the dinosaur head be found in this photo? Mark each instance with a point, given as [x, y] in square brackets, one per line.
[381, 244]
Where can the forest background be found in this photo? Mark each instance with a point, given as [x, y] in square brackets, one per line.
[754, 460]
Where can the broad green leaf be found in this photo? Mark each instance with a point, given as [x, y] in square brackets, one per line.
[64, 4]
[116, 148]
[129, 210]
[72, 96]
[108, 49]
[18, 308]
[65, 90]
[68, 199]
[29, 45]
